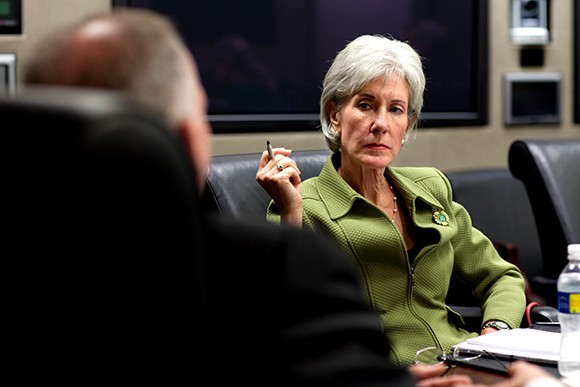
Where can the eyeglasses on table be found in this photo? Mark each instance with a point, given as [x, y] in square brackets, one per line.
[435, 355]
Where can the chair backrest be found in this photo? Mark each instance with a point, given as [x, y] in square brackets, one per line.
[550, 171]
[232, 189]
[102, 212]
[499, 206]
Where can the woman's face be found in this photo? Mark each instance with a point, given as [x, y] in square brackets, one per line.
[373, 122]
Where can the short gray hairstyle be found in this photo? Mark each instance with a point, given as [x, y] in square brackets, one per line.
[362, 60]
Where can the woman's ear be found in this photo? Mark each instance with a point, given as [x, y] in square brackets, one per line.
[333, 114]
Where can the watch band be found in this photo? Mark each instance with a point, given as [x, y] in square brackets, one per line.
[495, 324]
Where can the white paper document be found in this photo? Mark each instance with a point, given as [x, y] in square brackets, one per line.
[521, 343]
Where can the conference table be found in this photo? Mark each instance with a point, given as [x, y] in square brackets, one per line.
[478, 376]
[538, 344]
[489, 377]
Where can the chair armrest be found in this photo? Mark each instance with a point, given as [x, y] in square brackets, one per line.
[544, 314]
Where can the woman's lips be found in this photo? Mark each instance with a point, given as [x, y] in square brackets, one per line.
[376, 146]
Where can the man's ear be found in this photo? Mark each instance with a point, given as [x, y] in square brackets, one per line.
[186, 134]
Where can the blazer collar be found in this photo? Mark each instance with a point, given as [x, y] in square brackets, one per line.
[339, 197]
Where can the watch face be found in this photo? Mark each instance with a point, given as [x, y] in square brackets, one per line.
[497, 325]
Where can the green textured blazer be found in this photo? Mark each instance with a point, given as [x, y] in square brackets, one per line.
[409, 295]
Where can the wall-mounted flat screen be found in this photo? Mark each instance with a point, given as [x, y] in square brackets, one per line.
[532, 98]
[262, 62]
[10, 17]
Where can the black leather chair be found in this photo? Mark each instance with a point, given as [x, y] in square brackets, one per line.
[496, 200]
[499, 206]
[232, 191]
[550, 171]
[100, 212]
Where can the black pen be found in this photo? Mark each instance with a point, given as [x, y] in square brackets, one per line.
[270, 152]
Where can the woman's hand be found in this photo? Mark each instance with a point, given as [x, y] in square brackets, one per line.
[280, 177]
[431, 376]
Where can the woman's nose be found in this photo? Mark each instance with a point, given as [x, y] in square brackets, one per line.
[381, 122]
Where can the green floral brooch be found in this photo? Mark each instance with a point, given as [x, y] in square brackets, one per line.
[441, 218]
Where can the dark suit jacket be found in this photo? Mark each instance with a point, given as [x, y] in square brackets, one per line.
[113, 276]
[285, 309]
[280, 306]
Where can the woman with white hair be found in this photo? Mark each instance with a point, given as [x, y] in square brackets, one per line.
[400, 225]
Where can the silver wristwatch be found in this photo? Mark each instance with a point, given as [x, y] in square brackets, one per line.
[495, 324]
